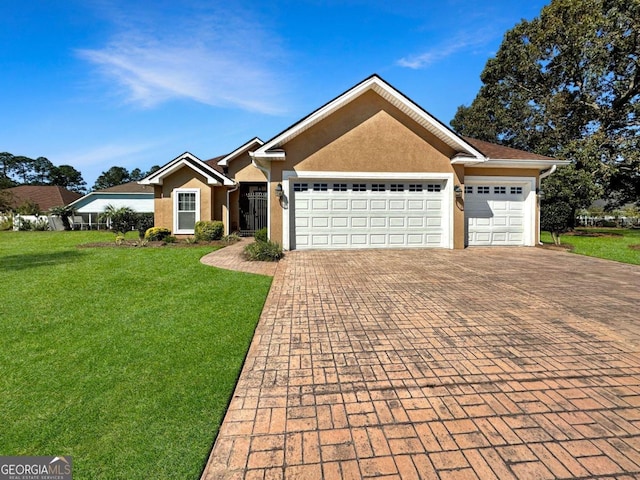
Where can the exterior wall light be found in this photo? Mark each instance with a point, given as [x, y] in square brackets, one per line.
[457, 190]
[279, 191]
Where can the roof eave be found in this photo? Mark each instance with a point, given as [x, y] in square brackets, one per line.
[524, 163]
[225, 161]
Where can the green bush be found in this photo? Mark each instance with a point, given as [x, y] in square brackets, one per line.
[231, 238]
[206, 231]
[6, 223]
[263, 251]
[261, 235]
[170, 239]
[156, 233]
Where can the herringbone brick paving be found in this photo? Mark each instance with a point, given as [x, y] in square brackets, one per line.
[401, 364]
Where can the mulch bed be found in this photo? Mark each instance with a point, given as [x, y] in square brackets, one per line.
[635, 246]
[154, 244]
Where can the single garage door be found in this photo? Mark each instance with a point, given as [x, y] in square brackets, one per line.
[368, 214]
[495, 214]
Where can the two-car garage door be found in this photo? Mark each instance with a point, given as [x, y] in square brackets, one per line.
[369, 214]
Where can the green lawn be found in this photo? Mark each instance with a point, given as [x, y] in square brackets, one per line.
[124, 358]
[613, 244]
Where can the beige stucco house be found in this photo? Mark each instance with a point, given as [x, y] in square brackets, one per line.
[369, 169]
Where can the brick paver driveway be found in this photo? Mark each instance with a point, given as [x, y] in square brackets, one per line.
[482, 363]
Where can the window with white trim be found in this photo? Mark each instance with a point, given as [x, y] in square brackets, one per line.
[483, 190]
[320, 187]
[500, 190]
[359, 187]
[468, 189]
[339, 187]
[415, 187]
[300, 187]
[516, 190]
[378, 187]
[396, 187]
[186, 210]
[433, 187]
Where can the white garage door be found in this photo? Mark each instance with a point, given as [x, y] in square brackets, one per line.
[374, 214]
[495, 214]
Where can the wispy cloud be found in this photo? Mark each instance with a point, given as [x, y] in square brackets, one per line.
[437, 53]
[107, 154]
[214, 58]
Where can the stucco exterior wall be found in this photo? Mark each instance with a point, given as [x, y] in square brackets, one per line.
[184, 178]
[242, 170]
[366, 135]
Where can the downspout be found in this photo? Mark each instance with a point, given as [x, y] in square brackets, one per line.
[543, 174]
[230, 191]
[267, 173]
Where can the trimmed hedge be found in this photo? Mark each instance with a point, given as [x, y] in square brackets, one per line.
[206, 231]
[156, 233]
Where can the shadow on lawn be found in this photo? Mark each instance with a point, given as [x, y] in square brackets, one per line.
[35, 260]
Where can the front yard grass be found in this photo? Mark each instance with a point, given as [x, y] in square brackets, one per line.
[124, 358]
[607, 243]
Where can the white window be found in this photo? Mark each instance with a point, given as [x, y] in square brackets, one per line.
[378, 187]
[433, 187]
[320, 187]
[483, 190]
[359, 187]
[186, 209]
[415, 187]
[499, 190]
[516, 190]
[339, 187]
[468, 189]
[300, 187]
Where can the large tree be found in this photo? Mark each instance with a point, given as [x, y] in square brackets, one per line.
[68, 177]
[119, 175]
[567, 84]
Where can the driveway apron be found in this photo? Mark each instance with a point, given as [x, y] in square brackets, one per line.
[508, 363]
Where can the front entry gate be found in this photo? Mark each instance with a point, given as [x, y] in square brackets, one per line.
[253, 209]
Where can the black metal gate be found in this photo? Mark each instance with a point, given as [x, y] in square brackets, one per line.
[253, 212]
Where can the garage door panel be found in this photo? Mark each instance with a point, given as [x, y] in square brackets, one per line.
[368, 214]
[319, 222]
[378, 222]
[340, 222]
[359, 222]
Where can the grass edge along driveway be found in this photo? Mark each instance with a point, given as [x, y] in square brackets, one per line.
[607, 243]
[124, 358]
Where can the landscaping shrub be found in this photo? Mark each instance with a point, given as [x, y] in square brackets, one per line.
[261, 235]
[6, 223]
[144, 221]
[263, 251]
[156, 233]
[206, 231]
[231, 238]
[170, 239]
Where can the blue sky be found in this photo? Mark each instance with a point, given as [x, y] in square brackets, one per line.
[97, 83]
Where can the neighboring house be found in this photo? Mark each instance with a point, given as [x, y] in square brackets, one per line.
[45, 196]
[369, 169]
[133, 195]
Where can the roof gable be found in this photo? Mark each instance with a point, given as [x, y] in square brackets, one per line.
[271, 150]
[254, 142]
[212, 176]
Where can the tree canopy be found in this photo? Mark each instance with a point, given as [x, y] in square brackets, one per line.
[20, 170]
[119, 175]
[567, 85]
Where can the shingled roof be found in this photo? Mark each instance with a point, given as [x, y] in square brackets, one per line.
[495, 151]
[45, 196]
